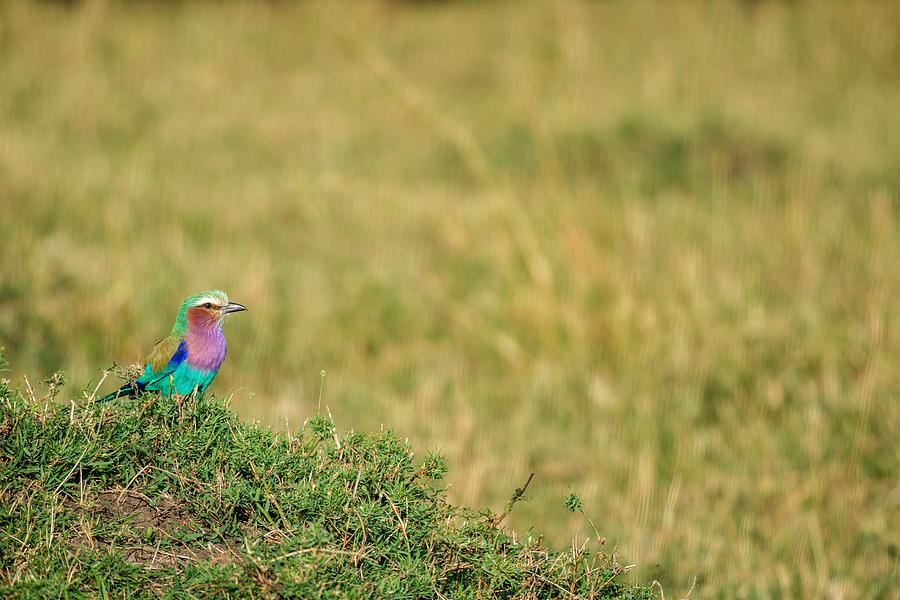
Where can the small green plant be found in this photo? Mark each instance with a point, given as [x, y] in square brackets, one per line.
[517, 496]
[54, 383]
[435, 465]
[572, 502]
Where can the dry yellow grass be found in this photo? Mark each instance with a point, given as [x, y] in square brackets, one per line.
[651, 250]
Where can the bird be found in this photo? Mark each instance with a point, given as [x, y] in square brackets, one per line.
[187, 361]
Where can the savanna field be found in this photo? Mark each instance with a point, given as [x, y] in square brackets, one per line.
[649, 251]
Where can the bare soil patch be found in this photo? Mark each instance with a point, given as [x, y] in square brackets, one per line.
[169, 533]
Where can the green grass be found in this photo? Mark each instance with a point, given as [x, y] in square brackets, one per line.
[651, 250]
[180, 499]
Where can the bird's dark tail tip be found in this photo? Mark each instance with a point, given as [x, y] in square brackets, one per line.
[130, 391]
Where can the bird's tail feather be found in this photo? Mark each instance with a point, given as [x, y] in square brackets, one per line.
[129, 390]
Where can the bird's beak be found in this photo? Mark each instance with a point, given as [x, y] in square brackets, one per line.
[233, 307]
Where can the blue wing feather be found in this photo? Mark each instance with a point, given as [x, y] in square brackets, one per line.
[158, 380]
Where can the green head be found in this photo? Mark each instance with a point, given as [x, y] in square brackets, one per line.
[213, 304]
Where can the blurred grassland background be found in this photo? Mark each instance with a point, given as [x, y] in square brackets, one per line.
[648, 249]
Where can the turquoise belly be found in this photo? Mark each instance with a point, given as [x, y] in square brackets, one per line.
[184, 380]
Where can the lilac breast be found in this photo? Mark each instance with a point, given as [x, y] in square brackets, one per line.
[206, 349]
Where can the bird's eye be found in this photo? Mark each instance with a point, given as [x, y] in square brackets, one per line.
[207, 306]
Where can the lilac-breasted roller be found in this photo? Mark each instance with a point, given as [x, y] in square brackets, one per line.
[187, 360]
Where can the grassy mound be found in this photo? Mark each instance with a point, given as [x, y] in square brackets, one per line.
[149, 496]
